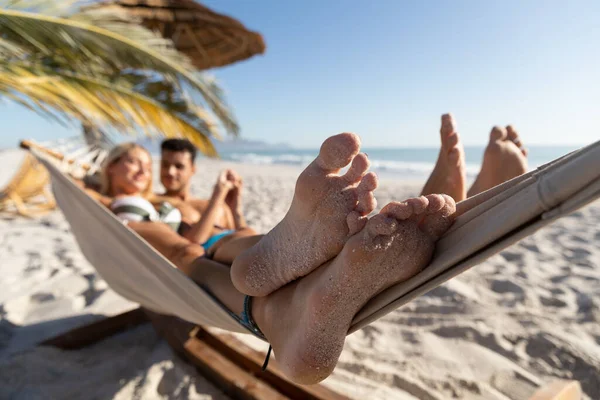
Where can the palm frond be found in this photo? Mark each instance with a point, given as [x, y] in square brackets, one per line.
[65, 95]
[81, 45]
[55, 8]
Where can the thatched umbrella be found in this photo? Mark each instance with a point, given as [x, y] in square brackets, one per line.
[209, 39]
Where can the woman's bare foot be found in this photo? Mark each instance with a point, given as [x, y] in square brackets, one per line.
[449, 174]
[327, 208]
[504, 158]
[307, 321]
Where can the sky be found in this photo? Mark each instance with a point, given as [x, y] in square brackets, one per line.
[388, 69]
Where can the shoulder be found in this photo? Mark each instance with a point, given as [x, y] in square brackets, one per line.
[198, 204]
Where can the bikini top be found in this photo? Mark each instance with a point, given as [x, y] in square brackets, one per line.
[135, 208]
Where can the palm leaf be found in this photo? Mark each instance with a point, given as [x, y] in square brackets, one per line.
[102, 102]
[80, 45]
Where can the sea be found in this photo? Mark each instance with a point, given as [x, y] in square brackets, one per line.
[409, 163]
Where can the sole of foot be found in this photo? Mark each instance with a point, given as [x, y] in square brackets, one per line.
[326, 209]
[504, 158]
[449, 174]
[307, 321]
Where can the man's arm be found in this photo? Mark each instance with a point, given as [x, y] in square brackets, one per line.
[224, 218]
[202, 230]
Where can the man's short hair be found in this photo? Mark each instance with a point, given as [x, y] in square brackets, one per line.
[179, 145]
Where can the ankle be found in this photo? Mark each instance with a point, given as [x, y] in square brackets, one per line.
[260, 313]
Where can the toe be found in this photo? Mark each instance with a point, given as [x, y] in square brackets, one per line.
[366, 203]
[498, 133]
[381, 224]
[511, 133]
[448, 127]
[436, 202]
[368, 183]
[407, 209]
[435, 224]
[356, 223]
[397, 210]
[364, 191]
[513, 136]
[418, 204]
[337, 151]
[359, 167]
[452, 141]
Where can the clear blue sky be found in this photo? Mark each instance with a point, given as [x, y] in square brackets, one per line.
[387, 69]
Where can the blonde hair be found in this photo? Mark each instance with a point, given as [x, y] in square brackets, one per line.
[115, 156]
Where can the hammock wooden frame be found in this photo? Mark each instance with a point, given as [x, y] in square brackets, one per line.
[27, 193]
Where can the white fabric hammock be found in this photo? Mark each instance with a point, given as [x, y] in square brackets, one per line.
[495, 220]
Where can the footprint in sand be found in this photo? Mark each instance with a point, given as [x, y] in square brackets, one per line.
[414, 320]
[371, 333]
[505, 286]
[459, 308]
[445, 293]
[512, 256]
[585, 303]
[585, 264]
[559, 278]
[578, 239]
[489, 340]
[551, 355]
[577, 253]
[552, 302]
[530, 247]
[42, 297]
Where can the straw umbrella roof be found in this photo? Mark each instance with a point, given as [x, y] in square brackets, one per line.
[209, 39]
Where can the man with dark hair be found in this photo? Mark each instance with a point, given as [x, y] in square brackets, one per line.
[221, 214]
[177, 166]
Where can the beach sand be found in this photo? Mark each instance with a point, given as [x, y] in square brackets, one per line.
[525, 317]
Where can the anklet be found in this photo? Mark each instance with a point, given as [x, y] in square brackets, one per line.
[251, 325]
[244, 319]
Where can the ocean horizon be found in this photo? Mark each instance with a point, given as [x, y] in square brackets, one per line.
[412, 163]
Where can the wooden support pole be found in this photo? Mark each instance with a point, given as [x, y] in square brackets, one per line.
[97, 331]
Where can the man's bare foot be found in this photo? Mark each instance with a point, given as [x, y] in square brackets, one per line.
[449, 175]
[504, 158]
[327, 208]
[307, 321]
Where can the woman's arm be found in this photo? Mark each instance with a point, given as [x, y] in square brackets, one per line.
[104, 200]
[201, 230]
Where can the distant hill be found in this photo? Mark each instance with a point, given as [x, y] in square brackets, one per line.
[227, 145]
[240, 144]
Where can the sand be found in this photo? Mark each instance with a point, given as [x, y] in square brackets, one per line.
[525, 317]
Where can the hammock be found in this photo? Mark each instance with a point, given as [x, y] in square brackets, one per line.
[27, 192]
[495, 220]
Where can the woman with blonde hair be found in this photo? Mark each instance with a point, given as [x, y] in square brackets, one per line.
[126, 187]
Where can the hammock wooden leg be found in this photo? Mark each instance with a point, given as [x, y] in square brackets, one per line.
[32, 211]
[228, 363]
[231, 364]
[20, 206]
[97, 331]
[50, 203]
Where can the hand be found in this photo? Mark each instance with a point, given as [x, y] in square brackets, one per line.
[234, 197]
[224, 185]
